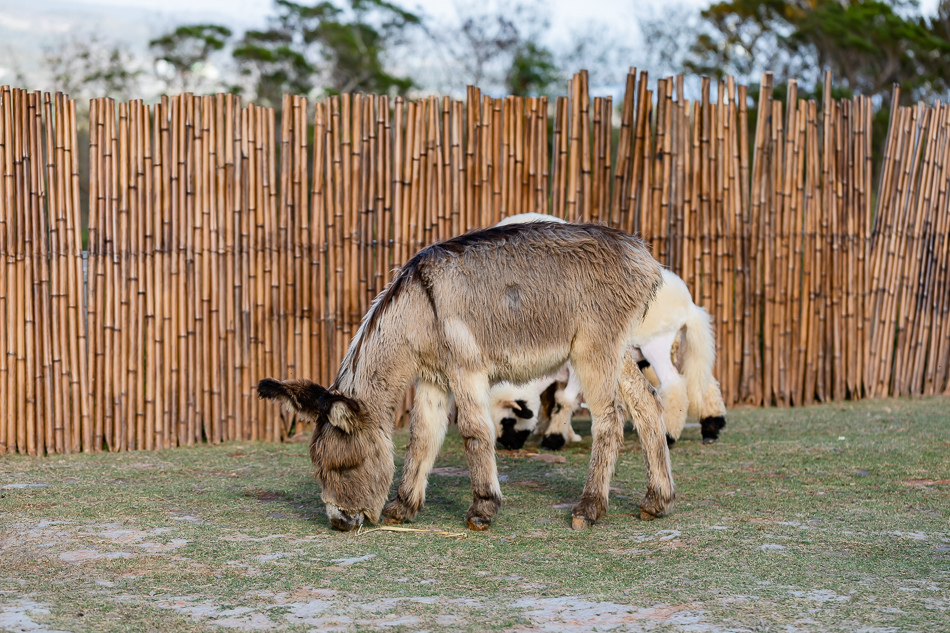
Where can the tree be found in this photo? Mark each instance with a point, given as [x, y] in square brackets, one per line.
[339, 49]
[533, 70]
[182, 55]
[354, 45]
[867, 44]
[500, 47]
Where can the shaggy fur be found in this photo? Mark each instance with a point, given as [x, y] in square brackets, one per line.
[673, 327]
[431, 326]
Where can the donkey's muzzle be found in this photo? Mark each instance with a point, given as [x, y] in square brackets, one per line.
[343, 521]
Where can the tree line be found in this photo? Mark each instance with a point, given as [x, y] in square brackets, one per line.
[377, 46]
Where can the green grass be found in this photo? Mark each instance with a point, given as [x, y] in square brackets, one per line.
[831, 518]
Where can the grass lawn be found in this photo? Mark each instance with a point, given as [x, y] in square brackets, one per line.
[831, 518]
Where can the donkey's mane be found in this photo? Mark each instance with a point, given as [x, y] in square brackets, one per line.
[415, 269]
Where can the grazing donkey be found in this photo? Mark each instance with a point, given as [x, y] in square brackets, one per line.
[505, 303]
[671, 319]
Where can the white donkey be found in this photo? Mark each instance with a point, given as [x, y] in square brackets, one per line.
[672, 321]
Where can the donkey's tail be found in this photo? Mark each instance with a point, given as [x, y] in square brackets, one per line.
[698, 358]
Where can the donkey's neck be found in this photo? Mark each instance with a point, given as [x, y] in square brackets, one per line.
[380, 376]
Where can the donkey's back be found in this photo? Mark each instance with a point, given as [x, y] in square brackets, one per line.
[523, 297]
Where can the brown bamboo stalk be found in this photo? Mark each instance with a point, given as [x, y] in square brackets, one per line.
[6, 215]
[32, 126]
[472, 182]
[495, 166]
[230, 369]
[212, 113]
[42, 299]
[318, 247]
[138, 226]
[811, 278]
[759, 196]
[559, 160]
[658, 209]
[794, 311]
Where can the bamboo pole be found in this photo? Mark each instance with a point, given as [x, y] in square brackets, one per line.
[41, 301]
[7, 440]
[32, 175]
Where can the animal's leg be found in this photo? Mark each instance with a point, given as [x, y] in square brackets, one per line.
[478, 431]
[672, 384]
[646, 412]
[427, 426]
[712, 417]
[560, 431]
[598, 374]
[697, 358]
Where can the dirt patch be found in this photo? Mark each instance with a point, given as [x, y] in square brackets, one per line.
[450, 471]
[549, 458]
[17, 615]
[266, 496]
[572, 614]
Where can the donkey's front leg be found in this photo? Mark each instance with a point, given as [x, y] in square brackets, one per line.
[476, 428]
[427, 426]
[646, 413]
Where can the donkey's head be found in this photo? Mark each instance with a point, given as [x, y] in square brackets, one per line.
[351, 453]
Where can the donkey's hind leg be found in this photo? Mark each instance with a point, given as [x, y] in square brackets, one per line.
[427, 426]
[646, 413]
[478, 431]
[599, 380]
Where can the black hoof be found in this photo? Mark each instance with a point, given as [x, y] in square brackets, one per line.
[710, 427]
[553, 442]
[670, 440]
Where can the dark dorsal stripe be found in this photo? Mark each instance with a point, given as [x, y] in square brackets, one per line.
[415, 268]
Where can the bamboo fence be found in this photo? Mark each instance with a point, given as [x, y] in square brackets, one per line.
[222, 249]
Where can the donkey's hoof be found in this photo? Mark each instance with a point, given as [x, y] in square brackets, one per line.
[579, 523]
[653, 507]
[478, 524]
[397, 512]
[587, 512]
[553, 442]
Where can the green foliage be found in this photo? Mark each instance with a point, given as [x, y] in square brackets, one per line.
[186, 50]
[867, 44]
[533, 70]
[323, 45]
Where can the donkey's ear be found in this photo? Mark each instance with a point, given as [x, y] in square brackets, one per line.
[311, 401]
[343, 413]
[295, 396]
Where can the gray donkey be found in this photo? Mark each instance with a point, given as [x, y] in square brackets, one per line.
[505, 303]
